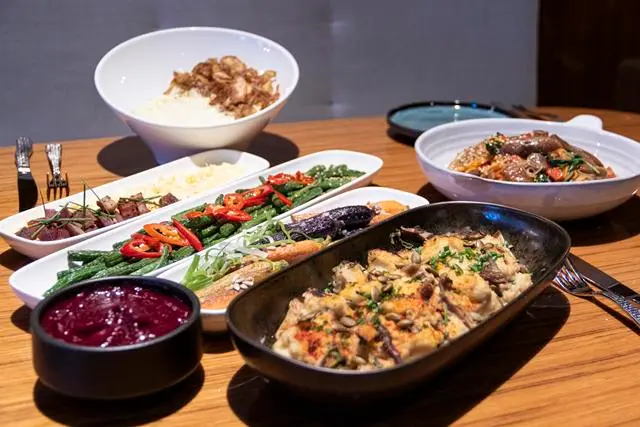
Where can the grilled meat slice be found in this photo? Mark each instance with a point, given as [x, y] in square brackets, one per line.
[167, 199]
[107, 204]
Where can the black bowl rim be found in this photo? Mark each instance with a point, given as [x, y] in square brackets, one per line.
[143, 281]
[408, 364]
[415, 133]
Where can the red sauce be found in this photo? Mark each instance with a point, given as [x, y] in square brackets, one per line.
[110, 316]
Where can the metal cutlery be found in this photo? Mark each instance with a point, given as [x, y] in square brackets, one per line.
[569, 280]
[27, 188]
[536, 114]
[55, 183]
[601, 280]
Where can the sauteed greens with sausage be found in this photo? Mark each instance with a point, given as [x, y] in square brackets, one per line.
[157, 245]
[405, 302]
[530, 157]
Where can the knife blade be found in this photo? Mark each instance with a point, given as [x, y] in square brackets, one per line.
[27, 188]
[602, 280]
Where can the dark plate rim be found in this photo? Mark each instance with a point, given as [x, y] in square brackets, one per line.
[145, 281]
[256, 345]
[415, 133]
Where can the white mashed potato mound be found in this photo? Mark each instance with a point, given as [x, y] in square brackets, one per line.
[182, 109]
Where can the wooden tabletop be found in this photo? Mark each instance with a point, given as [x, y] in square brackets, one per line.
[564, 361]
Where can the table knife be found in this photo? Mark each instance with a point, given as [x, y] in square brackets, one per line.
[603, 281]
[27, 188]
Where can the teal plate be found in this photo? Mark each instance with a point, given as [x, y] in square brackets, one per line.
[413, 119]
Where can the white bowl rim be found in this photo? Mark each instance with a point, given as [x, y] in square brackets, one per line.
[423, 137]
[280, 100]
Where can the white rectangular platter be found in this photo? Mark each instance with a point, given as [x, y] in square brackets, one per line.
[214, 320]
[37, 249]
[31, 281]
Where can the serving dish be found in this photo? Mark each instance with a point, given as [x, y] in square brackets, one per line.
[254, 316]
[214, 320]
[437, 147]
[30, 282]
[38, 249]
[411, 120]
[141, 68]
[124, 371]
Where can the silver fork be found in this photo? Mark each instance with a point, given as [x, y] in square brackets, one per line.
[569, 280]
[56, 182]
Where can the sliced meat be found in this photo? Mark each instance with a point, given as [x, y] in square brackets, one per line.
[27, 232]
[142, 208]
[127, 209]
[105, 221]
[66, 213]
[107, 204]
[138, 198]
[63, 234]
[167, 199]
[48, 234]
[73, 229]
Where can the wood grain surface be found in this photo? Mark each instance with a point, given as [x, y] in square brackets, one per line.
[566, 361]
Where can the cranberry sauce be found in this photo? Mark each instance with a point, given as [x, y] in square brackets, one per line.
[114, 315]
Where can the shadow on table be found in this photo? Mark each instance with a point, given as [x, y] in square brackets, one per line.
[138, 156]
[429, 192]
[441, 401]
[130, 412]
[13, 260]
[217, 343]
[20, 318]
[620, 223]
[272, 147]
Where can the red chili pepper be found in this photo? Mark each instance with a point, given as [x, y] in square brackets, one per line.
[215, 210]
[254, 201]
[280, 178]
[283, 198]
[236, 215]
[262, 191]
[166, 234]
[139, 248]
[234, 201]
[151, 241]
[188, 234]
[303, 178]
[194, 214]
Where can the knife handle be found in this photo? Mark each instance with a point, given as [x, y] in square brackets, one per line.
[625, 304]
[24, 148]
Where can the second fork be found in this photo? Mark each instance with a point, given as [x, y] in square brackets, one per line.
[55, 183]
[569, 280]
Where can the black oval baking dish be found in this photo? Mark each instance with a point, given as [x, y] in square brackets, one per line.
[254, 316]
[118, 372]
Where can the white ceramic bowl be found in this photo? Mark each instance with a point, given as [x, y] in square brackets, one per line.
[141, 69]
[437, 147]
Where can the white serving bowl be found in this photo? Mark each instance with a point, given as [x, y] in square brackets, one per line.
[437, 147]
[141, 69]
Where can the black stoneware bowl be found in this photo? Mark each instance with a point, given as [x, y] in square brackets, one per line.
[254, 316]
[118, 372]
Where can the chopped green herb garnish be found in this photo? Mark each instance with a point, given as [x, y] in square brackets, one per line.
[441, 257]
[484, 259]
[457, 269]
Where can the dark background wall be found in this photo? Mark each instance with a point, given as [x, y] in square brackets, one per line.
[357, 57]
[589, 53]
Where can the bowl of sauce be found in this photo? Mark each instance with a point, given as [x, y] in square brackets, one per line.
[117, 337]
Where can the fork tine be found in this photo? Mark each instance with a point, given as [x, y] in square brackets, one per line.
[66, 182]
